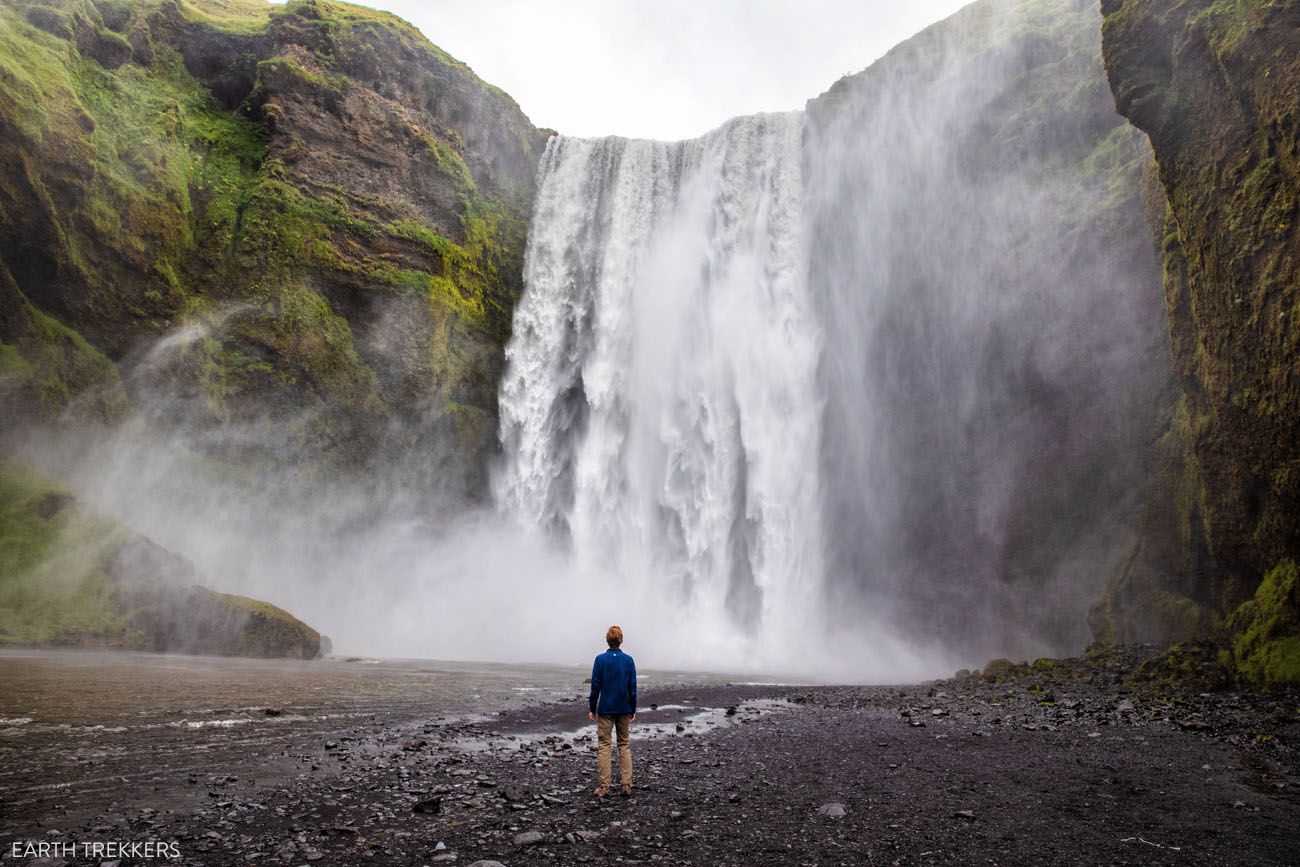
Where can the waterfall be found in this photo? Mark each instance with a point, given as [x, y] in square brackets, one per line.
[659, 412]
[862, 389]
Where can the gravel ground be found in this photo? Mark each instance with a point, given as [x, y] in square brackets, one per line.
[1068, 766]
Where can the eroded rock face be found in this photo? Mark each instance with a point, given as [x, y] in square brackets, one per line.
[1217, 88]
[327, 208]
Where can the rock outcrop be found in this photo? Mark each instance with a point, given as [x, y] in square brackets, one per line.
[323, 214]
[70, 578]
[1216, 87]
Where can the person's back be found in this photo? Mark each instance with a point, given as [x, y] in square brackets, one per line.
[612, 706]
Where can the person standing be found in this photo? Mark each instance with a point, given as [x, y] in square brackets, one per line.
[612, 706]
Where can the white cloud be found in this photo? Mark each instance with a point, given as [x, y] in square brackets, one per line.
[669, 68]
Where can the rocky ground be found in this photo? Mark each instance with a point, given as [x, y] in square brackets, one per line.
[1056, 764]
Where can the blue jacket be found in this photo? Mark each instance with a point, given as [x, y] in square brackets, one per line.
[613, 684]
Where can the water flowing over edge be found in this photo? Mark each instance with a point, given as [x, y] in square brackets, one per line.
[660, 413]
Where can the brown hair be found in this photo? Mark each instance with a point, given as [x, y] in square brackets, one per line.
[614, 636]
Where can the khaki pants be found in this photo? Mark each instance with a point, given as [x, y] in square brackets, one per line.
[604, 725]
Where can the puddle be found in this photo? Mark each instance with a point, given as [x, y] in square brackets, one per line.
[701, 721]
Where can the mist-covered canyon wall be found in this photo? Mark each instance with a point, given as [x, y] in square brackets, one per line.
[994, 359]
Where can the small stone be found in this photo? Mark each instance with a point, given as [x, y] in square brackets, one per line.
[487, 864]
[968, 815]
[273, 711]
[528, 838]
[441, 847]
[1125, 706]
[834, 810]
[429, 806]
[938, 711]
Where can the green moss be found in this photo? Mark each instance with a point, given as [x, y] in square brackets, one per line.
[1193, 665]
[449, 162]
[57, 585]
[1265, 630]
[12, 364]
[52, 584]
[1229, 21]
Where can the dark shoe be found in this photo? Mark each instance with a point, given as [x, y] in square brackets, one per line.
[627, 792]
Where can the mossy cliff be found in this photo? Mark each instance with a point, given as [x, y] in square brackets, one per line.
[71, 578]
[325, 210]
[1215, 84]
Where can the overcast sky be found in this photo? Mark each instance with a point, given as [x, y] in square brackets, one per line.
[665, 69]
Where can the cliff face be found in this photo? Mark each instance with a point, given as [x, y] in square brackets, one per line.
[323, 212]
[1216, 87]
[993, 317]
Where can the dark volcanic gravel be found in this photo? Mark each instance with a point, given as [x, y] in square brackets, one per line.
[1068, 768]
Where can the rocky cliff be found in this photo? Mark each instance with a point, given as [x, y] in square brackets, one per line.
[321, 212]
[995, 336]
[1215, 84]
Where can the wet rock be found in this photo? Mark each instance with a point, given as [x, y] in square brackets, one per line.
[968, 815]
[273, 711]
[834, 810]
[528, 838]
[428, 806]
[515, 794]
[1000, 669]
[487, 864]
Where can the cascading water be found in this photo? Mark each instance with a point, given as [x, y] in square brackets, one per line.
[871, 379]
[660, 406]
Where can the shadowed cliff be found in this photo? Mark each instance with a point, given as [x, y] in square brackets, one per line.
[1216, 86]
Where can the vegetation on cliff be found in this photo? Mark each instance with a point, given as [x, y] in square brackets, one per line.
[71, 578]
[1215, 84]
[329, 210]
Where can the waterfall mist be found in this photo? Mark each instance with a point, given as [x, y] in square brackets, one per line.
[869, 390]
[858, 394]
[993, 329]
